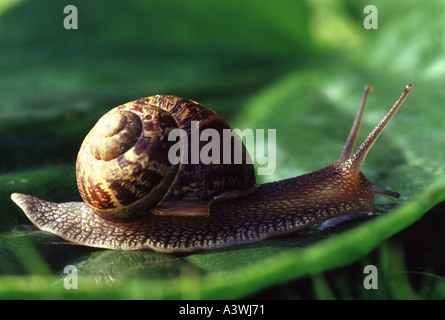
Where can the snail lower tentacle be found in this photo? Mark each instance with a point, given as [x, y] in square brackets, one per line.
[238, 211]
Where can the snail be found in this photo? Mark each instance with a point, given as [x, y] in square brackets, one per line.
[135, 199]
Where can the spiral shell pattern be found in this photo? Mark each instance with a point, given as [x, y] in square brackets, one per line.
[122, 166]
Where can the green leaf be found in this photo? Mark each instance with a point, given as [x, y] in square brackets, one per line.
[294, 66]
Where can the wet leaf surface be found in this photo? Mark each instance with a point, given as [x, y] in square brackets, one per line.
[267, 66]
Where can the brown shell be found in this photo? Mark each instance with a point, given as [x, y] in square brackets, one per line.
[123, 168]
[201, 182]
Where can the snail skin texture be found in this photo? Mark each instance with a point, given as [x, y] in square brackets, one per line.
[142, 202]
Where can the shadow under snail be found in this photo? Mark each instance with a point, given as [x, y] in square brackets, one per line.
[135, 199]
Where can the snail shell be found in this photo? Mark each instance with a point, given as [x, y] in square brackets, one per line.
[114, 215]
[123, 168]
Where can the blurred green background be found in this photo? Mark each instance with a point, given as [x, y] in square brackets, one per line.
[295, 66]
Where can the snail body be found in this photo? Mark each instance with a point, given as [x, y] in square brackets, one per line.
[186, 208]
